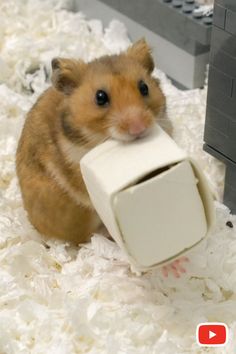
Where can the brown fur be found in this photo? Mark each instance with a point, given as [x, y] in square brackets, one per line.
[66, 122]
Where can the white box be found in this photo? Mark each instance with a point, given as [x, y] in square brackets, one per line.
[153, 199]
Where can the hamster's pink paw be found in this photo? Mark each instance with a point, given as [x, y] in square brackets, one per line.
[176, 268]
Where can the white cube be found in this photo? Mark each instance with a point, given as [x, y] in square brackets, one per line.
[153, 199]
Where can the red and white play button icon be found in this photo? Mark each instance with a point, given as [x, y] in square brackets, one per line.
[212, 334]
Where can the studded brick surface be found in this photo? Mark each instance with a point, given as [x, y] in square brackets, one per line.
[192, 9]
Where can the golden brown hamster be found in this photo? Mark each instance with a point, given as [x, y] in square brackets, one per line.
[110, 97]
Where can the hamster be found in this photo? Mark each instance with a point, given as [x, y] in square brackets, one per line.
[110, 97]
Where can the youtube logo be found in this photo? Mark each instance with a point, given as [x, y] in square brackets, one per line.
[212, 334]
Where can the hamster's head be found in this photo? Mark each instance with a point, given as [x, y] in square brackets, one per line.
[110, 97]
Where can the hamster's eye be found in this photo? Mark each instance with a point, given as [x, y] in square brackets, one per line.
[102, 98]
[143, 88]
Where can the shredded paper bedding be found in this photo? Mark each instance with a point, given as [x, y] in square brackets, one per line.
[55, 298]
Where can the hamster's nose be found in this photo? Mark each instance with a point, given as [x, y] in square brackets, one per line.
[136, 128]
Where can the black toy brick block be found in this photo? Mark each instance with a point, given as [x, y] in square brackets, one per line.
[220, 81]
[230, 195]
[223, 61]
[218, 120]
[219, 16]
[230, 177]
[220, 142]
[215, 139]
[234, 89]
[220, 101]
[222, 40]
[230, 22]
[232, 131]
[228, 4]
[218, 155]
[220, 127]
[230, 187]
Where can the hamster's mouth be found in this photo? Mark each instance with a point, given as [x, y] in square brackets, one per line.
[126, 137]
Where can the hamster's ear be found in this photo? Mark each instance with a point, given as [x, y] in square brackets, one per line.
[141, 52]
[66, 74]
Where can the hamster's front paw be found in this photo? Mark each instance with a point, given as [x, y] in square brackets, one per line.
[176, 268]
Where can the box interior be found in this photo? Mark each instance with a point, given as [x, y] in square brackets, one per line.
[161, 215]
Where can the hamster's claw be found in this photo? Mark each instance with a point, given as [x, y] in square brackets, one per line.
[176, 268]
